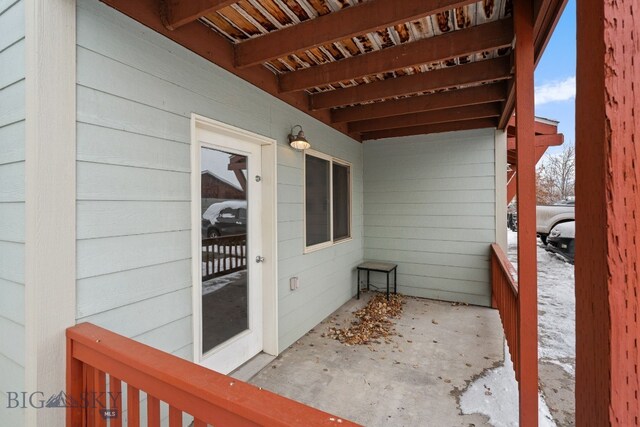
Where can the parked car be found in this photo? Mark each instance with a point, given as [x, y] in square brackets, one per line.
[225, 218]
[561, 240]
[549, 216]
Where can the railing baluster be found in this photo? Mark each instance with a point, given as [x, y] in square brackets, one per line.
[133, 406]
[153, 411]
[115, 400]
[235, 254]
[198, 423]
[90, 389]
[226, 255]
[100, 382]
[175, 417]
[212, 258]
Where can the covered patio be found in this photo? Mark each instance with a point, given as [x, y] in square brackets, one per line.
[415, 378]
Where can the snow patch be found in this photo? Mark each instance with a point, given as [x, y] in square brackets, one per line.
[495, 394]
[220, 282]
[556, 306]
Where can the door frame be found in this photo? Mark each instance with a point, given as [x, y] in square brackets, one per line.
[268, 223]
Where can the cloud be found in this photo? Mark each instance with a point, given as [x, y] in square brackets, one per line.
[559, 90]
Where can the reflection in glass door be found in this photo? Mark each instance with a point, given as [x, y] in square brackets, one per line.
[225, 290]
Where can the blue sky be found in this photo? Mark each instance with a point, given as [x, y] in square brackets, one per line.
[555, 76]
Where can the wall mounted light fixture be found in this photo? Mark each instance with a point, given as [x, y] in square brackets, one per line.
[298, 141]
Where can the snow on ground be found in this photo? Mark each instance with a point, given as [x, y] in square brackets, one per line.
[216, 283]
[495, 394]
[556, 306]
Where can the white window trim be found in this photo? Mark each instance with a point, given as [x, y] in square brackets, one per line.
[331, 242]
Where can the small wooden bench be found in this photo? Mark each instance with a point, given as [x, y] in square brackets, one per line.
[379, 267]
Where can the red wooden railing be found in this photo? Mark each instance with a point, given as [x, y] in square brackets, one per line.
[100, 362]
[505, 299]
[223, 255]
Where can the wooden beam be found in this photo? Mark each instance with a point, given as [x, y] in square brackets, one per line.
[480, 38]
[237, 164]
[427, 129]
[512, 155]
[176, 13]
[347, 23]
[436, 101]
[427, 118]
[540, 141]
[508, 107]
[527, 348]
[472, 73]
[213, 47]
[548, 13]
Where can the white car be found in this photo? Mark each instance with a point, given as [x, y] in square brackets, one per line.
[562, 240]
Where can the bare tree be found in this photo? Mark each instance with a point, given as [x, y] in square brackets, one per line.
[556, 176]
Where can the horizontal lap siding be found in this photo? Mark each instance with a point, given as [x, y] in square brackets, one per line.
[429, 204]
[136, 92]
[12, 145]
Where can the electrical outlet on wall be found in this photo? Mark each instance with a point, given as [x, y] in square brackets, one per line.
[294, 283]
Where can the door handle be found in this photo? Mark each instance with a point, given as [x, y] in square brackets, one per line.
[259, 259]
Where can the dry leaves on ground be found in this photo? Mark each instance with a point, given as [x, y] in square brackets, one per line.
[372, 322]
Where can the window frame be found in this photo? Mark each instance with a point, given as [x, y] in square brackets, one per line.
[331, 242]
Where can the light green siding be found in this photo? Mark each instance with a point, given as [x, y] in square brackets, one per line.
[12, 141]
[136, 93]
[429, 204]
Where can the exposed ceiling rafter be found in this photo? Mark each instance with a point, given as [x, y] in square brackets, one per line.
[436, 101]
[176, 13]
[444, 78]
[436, 128]
[346, 23]
[480, 38]
[427, 118]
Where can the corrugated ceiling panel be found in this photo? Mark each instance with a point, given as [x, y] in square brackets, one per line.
[253, 18]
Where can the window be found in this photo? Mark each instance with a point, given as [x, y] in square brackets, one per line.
[327, 200]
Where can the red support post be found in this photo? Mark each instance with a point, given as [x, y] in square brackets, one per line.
[607, 213]
[527, 351]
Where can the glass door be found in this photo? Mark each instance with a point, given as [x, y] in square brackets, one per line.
[230, 303]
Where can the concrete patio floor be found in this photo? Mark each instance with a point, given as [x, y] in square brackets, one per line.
[414, 381]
